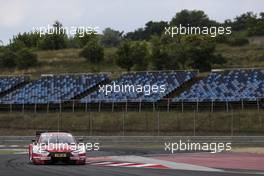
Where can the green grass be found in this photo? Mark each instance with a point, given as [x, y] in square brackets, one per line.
[247, 56]
[67, 61]
[249, 122]
[8, 151]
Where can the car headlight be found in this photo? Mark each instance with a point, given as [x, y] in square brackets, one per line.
[39, 150]
[79, 150]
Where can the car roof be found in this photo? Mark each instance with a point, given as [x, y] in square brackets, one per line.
[56, 133]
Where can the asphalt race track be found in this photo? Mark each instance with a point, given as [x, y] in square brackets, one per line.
[17, 165]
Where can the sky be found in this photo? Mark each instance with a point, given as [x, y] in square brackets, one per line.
[124, 15]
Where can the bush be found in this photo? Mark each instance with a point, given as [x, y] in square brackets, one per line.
[7, 58]
[53, 42]
[111, 38]
[238, 42]
[93, 52]
[26, 59]
[133, 54]
[29, 40]
[191, 52]
[124, 59]
[140, 56]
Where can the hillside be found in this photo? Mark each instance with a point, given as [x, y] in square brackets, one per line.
[68, 60]
[247, 56]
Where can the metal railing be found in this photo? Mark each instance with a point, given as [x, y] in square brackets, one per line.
[162, 118]
[181, 105]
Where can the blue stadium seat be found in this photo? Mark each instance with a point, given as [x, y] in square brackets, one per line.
[8, 82]
[171, 80]
[232, 85]
[53, 89]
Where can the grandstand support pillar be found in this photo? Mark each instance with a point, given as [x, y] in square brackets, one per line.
[153, 106]
[232, 122]
[126, 105]
[258, 104]
[113, 106]
[48, 107]
[60, 107]
[91, 123]
[123, 123]
[182, 107]
[168, 105]
[86, 106]
[158, 122]
[227, 107]
[10, 107]
[35, 108]
[23, 107]
[242, 104]
[73, 105]
[139, 108]
[194, 123]
[99, 106]
[197, 105]
[212, 106]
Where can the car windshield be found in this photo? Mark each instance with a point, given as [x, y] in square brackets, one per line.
[64, 138]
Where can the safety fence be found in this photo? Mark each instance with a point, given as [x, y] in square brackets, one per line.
[180, 105]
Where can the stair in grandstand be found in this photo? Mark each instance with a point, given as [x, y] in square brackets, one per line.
[89, 91]
[172, 80]
[185, 86]
[14, 88]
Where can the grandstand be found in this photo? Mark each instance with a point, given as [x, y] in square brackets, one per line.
[183, 90]
[8, 83]
[172, 80]
[53, 89]
[232, 86]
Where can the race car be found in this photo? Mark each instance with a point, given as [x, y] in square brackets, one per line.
[56, 147]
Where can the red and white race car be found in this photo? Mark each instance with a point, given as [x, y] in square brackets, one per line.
[56, 147]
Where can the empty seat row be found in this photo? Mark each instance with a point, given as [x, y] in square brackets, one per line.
[234, 85]
[8, 82]
[166, 82]
[53, 89]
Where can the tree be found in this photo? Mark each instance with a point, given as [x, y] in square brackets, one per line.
[244, 21]
[256, 26]
[133, 54]
[124, 59]
[140, 55]
[82, 38]
[111, 38]
[159, 56]
[56, 40]
[191, 18]
[16, 46]
[26, 59]
[151, 28]
[200, 54]
[93, 52]
[138, 34]
[195, 52]
[7, 58]
[154, 28]
[30, 39]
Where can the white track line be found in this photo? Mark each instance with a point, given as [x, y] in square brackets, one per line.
[143, 165]
[102, 163]
[119, 164]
